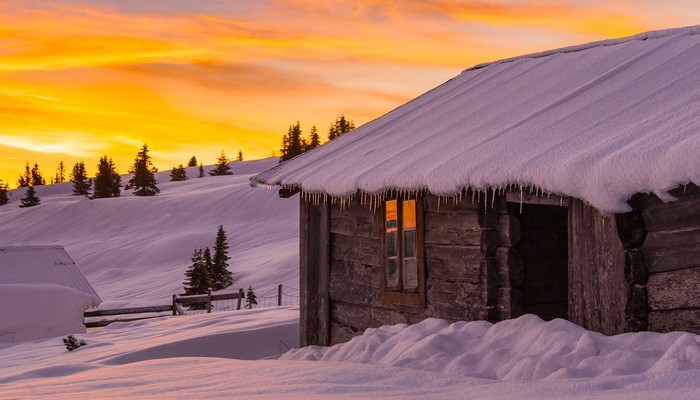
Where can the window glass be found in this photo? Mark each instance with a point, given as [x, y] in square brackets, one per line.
[410, 274]
[409, 214]
[392, 245]
[392, 273]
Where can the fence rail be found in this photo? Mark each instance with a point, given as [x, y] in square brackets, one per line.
[191, 302]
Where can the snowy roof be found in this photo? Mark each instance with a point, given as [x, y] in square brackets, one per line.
[42, 265]
[600, 122]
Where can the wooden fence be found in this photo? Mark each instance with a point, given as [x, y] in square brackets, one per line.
[175, 307]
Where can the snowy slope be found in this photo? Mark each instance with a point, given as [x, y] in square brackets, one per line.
[599, 122]
[135, 250]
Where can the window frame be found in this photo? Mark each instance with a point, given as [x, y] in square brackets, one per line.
[405, 297]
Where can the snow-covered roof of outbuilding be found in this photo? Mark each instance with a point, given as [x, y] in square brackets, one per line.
[42, 265]
[599, 122]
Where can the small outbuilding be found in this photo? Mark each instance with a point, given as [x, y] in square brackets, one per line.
[561, 184]
[42, 293]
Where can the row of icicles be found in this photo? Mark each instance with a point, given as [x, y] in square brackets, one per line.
[374, 201]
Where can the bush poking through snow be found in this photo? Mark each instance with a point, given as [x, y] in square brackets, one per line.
[72, 343]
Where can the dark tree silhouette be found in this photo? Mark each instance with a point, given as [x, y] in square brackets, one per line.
[60, 173]
[292, 143]
[37, 178]
[250, 298]
[197, 276]
[340, 127]
[178, 174]
[143, 180]
[81, 183]
[222, 167]
[221, 276]
[30, 198]
[25, 180]
[240, 156]
[192, 162]
[3, 193]
[314, 139]
[201, 171]
[107, 181]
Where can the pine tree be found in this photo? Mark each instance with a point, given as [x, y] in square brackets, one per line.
[37, 178]
[221, 276]
[314, 139]
[107, 181]
[60, 173]
[192, 162]
[222, 167]
[201, 171]
[143, 180]
[292, 144]
[178, 174]
[197, 276]
[3, 193]
[30, 198]
[25, 180]
[81, 183]
[250, 298]
[341, 126]
[240, 156]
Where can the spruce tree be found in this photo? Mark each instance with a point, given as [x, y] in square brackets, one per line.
[81, 183]
[250, 298]
[197, 276]
[222, 167]
[240, 156]
[37, 178]
[107, 181]
[221, 276]
[30, 198]
[314, 139]
[201, 171]
[341, 126]
[192, 162]
[60, 173]
[25, 180]
[3, 193]
[178, 174]
[292, 144]
[143, 180]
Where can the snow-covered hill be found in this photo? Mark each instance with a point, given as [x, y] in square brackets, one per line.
[135, 250]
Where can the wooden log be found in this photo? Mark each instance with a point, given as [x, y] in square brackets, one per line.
[457, 263]
[353, 315]
[672, 250]
[631, 229]
[209, 301]
[240, 297]
[449, 299]
[358, 249]
[105, 322]
[489, 282]
[674, 289]
[637, 309]
[488, 213]
[309, 217]
[510, 303]
[452, 228]
[340, 333]
[508, 230]
[635, 267]
[124, 311]
[489, 242]
[675, 320]
[516, 197]
[447, 204]
[511, 269]
[355, 221]
[680, 214]
[355, 283]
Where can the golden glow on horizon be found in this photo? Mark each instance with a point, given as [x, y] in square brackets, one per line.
[80, 79]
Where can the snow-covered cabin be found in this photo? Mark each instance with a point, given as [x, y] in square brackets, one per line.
[562, 184]
[42, 293]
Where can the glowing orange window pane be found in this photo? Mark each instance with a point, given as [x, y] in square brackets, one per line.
[409, 214]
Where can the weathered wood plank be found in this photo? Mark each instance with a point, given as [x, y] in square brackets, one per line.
[672, 250]
[452, 228]
[674, 289]
[355, 221]
[308, 283]
[358, 249]
[323, 274]
[448, 204]
[679, 214]
[452, 300]
[489, 242]
[457, 263]
[675, 320]
[510, 303]
[508, 230]
[355, 283]
[124, 311]
[511, 269]
[340, 333]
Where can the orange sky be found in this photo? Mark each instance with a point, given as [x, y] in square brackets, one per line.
[79, 78]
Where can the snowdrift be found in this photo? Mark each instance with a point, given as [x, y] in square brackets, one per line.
[525, 349]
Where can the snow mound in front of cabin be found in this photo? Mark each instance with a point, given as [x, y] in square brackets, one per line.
[37, 311]
[521, 350]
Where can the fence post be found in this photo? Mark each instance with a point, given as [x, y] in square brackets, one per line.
[240, 297]
[175, 304]
[209, 301]
[279, 295]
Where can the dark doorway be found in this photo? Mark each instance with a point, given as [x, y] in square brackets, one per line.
[544, 248]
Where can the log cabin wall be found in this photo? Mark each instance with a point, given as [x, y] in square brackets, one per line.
[671, 254]
[458, 264]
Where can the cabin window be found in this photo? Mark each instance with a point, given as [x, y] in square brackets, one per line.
[404, 281]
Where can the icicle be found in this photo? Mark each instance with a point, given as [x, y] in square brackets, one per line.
[472, 196]
[521, 199]
[561, 201]
[493, 198]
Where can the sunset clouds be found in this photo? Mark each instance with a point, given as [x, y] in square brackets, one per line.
[79, 79]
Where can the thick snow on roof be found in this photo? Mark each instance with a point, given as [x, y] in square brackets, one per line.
[42, 265]
[599, 122]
